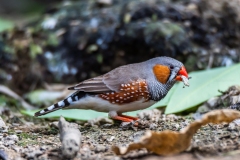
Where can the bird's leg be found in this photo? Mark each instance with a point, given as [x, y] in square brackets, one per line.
[123, 118]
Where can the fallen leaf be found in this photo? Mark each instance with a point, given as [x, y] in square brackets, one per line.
[172, 142]
[10, 93]
[46, 97]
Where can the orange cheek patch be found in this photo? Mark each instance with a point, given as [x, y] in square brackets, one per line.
[161, 72]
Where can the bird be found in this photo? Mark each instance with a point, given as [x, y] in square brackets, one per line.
[126, 88]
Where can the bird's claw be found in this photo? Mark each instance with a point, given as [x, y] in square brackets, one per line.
[131, 124]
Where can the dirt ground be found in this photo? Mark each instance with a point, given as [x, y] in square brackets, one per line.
[30, 138]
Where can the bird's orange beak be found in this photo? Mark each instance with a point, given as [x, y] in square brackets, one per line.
[181, 72]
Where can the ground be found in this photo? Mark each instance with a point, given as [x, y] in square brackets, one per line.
[30, 138]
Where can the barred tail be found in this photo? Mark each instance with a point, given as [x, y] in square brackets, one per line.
[61, 104]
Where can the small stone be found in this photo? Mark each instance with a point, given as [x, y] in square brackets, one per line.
[104, 2]
[237, 122]
[3, 155]
[3, 127]
[107, 125]
[153, 126]
[100, 148]
[54, 124]
[13, 137]
[111, 139]
[15, 124]
[18, 131]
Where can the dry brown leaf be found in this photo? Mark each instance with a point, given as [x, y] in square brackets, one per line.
[172, 142]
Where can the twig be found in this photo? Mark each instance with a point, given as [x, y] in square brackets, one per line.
[70, 138]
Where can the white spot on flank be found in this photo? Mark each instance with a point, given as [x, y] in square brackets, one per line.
[42, 111]
[112, 93]
[132, 92]
[132, 88]
[133, 83]
[121, 97]
[50, 108]
[128, 84]
[122, 85]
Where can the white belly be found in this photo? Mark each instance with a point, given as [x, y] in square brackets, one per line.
[101, 105]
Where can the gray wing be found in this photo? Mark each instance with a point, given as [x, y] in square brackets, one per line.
[92, 85]
[110, 81]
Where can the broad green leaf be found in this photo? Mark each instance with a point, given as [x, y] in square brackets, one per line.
[77, 114]
[5, 24]
[203, 85]
[43, 96]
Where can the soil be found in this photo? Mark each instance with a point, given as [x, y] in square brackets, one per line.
[30, 138]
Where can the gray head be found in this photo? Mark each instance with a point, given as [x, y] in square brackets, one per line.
[164, 72]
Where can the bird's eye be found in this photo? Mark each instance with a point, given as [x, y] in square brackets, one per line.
[171, 66]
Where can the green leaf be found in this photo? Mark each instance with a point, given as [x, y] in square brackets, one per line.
[41, 96]
[203, 85]
[77, 114]
[5, 24]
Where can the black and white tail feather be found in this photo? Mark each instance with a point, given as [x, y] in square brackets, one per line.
[62, 104]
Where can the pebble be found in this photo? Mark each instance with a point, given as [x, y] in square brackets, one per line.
[153, 126]
[100, 148]
[3, 155]
[3, 127]
[15, 124]
[10, 140]
[18, 131]
[111, 139]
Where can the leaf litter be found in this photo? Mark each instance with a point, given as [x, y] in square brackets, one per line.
[171, 142]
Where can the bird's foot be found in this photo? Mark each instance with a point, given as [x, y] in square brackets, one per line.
[130, 117]
[127, 120]
[127, 125]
